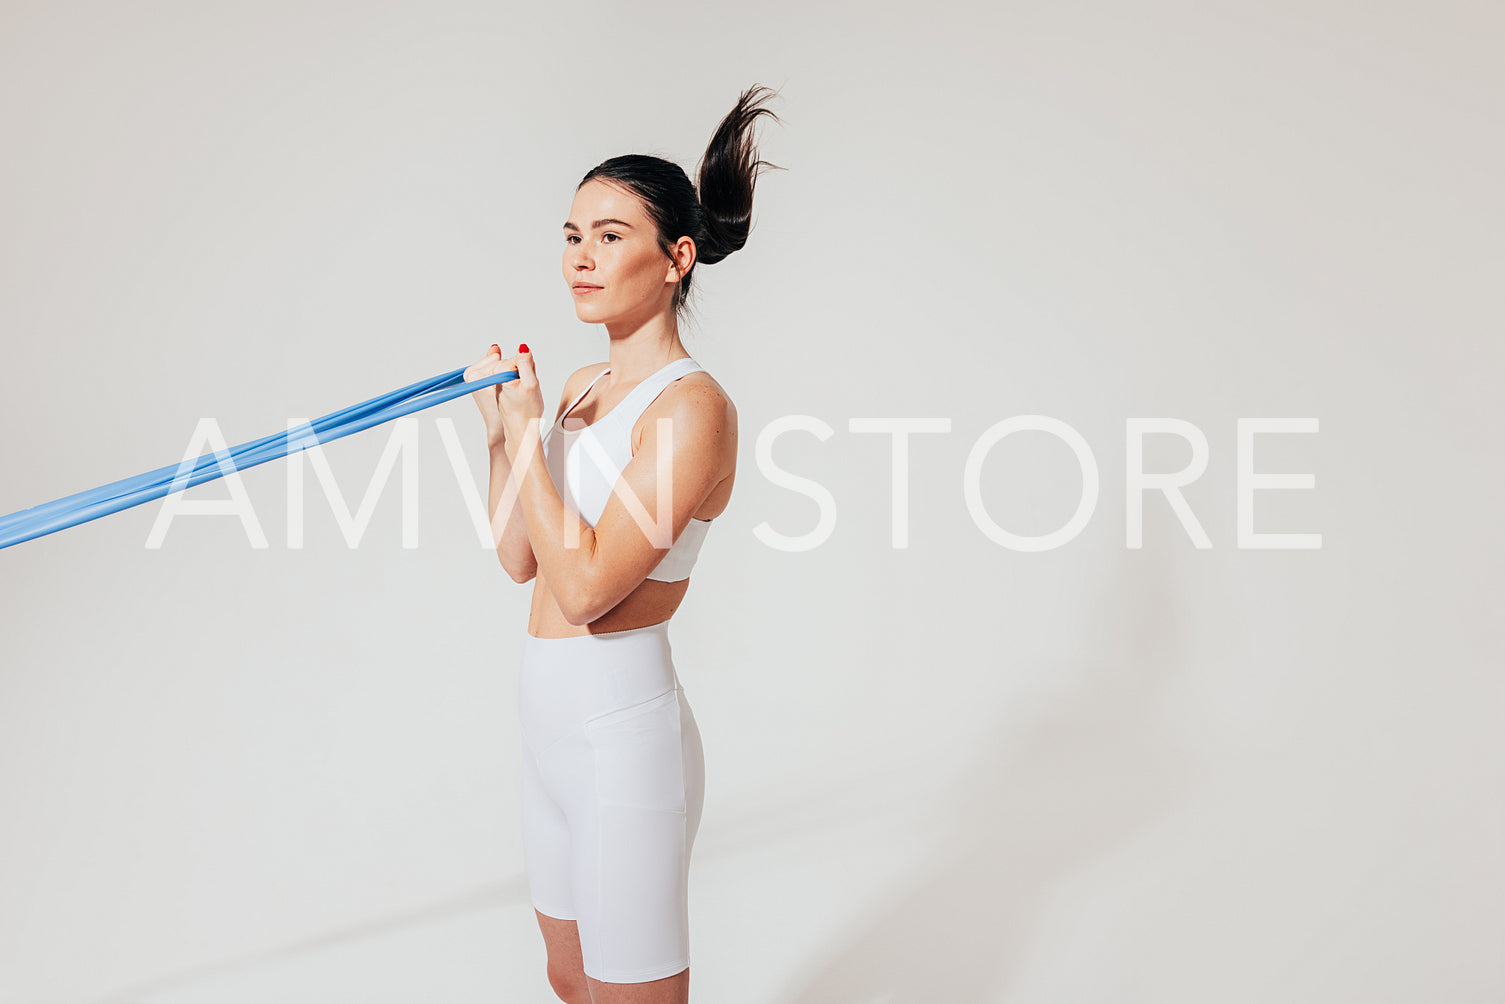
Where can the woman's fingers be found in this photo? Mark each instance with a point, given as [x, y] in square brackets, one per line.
[486, 397]
[523, 363]
[475, 370]
[521, 403]
[488, 365]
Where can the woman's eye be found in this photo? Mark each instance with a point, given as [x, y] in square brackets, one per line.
[610, 234]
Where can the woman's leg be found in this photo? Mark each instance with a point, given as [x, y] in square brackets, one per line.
[546, 852]
[615, 794]
[632, 874]
[562, 938]
[669, 990]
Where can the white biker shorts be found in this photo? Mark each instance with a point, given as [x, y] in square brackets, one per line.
[613, 781]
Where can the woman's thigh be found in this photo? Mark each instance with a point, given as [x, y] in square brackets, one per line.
[562, 939]
[611, 812]
[669, 990]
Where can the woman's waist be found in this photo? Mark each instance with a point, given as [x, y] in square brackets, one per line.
[650, 604]
[565, 682]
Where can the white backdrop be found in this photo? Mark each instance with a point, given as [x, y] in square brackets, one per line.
[951, 771]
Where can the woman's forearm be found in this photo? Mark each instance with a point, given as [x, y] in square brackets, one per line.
[513, 549]
[563, 544]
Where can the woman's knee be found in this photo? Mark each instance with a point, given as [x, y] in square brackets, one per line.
[569, 984]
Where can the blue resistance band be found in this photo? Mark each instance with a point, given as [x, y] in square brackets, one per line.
[81, 507]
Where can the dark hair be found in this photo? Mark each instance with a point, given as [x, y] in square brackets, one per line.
[719, 218]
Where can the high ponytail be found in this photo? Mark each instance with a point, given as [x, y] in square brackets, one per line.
[719, 218]
[728, 172]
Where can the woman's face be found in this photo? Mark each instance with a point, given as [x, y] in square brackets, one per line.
[612, 262]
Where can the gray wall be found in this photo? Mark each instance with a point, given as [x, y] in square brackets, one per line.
[952, 771]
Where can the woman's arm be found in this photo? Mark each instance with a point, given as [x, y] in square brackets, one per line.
[591, 570]
[513, 549]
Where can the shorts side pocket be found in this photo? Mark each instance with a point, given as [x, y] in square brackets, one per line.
[639, 756]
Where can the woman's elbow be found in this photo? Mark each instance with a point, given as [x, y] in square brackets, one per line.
[577, 614]
[520, 571]
[580, 606]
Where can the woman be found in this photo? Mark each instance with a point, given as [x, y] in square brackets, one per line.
[611, 506]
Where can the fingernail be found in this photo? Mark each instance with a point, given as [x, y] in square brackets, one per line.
[496, 348]
[522, 347]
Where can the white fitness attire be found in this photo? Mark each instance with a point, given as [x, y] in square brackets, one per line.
[613, 773]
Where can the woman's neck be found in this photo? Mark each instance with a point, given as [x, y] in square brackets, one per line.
[635, 357]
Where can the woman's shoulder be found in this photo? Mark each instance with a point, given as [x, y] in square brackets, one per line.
[696, 394]
[698, 391]
[584, 375]
[703, 389]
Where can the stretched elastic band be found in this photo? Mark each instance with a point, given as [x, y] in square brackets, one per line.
[81, 507]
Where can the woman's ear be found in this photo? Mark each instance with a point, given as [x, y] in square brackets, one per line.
[680, 260]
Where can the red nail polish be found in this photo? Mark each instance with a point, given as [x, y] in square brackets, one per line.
[522, 347]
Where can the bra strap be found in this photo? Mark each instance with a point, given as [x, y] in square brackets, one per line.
[580, 396]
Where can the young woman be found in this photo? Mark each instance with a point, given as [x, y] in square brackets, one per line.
[611, 506]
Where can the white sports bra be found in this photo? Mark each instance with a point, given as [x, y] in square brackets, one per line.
[577, 468]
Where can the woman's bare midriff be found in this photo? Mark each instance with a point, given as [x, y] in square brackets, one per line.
[652, 602]
[649, 603]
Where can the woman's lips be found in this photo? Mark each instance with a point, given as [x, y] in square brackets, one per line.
[585, 289]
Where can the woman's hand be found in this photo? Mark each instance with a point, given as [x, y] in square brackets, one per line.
[486, 398]
[520, 401]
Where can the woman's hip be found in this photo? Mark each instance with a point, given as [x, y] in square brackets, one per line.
[585, 682]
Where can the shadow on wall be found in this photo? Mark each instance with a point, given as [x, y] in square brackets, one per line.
[1050, 796]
